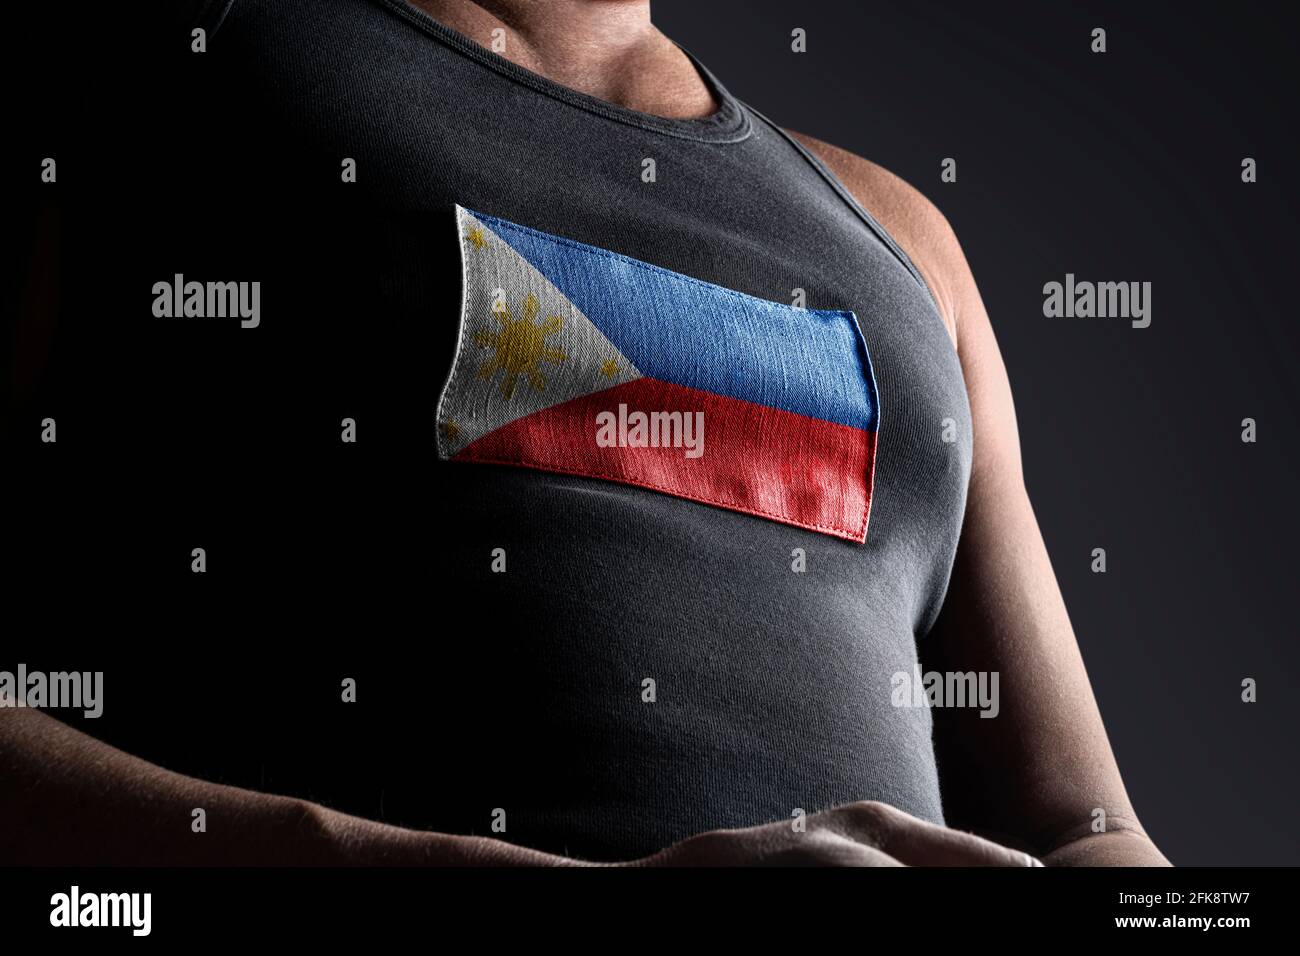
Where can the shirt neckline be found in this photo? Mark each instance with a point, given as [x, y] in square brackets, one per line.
[730, 124]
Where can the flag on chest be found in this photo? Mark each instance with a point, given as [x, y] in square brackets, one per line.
[578, 360]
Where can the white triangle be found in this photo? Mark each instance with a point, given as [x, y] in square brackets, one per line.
[536, 348]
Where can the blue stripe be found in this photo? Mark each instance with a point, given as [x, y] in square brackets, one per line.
[693, 333]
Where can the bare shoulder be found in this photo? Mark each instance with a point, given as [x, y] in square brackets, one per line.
[916, 224]
[924, 234]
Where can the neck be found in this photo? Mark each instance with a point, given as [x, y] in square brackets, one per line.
[604, 48]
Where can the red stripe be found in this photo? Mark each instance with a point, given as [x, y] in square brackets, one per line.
[756, 459]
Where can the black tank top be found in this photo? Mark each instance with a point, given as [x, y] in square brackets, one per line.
[524, 691]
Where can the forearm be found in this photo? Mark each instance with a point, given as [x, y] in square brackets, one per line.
[68, 799]
[1116, 848]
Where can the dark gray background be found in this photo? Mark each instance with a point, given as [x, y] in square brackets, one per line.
[1123, 166]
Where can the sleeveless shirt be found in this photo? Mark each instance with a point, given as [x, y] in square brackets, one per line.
[646, 667]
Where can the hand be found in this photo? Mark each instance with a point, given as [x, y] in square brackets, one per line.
[866, 833]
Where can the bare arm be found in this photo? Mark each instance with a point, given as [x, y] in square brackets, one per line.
[68, 799]
[1033, 776]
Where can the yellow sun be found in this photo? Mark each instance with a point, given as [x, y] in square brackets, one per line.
[520, 346]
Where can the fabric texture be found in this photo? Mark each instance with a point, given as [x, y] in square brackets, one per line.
[786, 394]
[614, 666]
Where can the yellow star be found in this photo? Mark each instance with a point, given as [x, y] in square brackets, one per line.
[519, 346]
[451, 429]
[476, 236]
[609, 369]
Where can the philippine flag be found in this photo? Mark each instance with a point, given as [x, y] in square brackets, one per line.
[575, 359]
